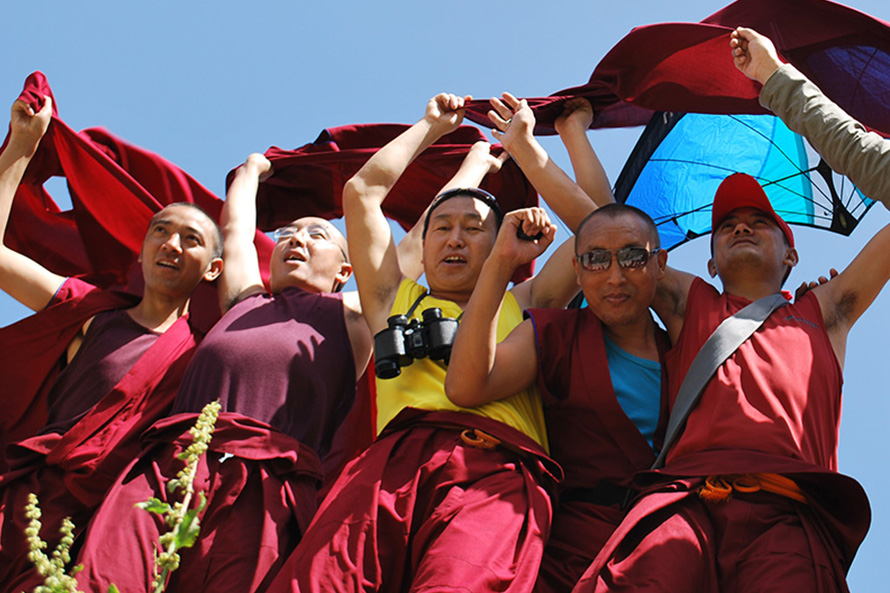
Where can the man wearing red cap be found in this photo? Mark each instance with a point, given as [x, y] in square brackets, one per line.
[749, 497]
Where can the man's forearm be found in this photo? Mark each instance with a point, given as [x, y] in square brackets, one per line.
[843, 142]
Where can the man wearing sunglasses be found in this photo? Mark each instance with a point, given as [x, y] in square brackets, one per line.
[598, 368]
[749, 497]
[447, 496]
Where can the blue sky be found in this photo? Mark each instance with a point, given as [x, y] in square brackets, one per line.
[206, 83]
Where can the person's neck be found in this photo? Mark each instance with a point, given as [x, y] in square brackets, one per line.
[459, 298]
[158, 312]
[636, 338]
[752, 288]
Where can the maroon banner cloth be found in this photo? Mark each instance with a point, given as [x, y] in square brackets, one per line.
[309, 181]
[687, 67]
[115, 189]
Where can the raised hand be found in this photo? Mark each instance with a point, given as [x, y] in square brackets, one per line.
[27, 127]
[259, 165]
[516, 251]
[481, 152]
[514, 120]
[577, 115]
[806, 287]
[754, 54]
[445, 112]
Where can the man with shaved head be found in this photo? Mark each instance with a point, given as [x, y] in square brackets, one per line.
[113, 364]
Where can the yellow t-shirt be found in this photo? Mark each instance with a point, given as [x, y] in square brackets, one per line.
[422, 383]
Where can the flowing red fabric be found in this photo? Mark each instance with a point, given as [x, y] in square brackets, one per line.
[687, 67]
[309, 181]
[115, 189]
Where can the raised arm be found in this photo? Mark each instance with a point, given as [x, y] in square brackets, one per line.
[572, 127]
[843, 142]
[478, 163]
[241, 275]
[480, 369]
[22, 278]
[374, 257]
[556, 283]
[849, 149]
[515, 124]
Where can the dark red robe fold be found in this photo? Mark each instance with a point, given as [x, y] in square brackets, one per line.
[261, 487]
[71, 472]
[31, 351]
[687, 67]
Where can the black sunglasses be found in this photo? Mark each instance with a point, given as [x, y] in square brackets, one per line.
[629, 258]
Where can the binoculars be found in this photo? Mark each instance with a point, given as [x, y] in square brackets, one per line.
[405, 340]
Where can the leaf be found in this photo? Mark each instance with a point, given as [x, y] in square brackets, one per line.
[154, 505]
[112, 589]
[173, 485]
[188, 530]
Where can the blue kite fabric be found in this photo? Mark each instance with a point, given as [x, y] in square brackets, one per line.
[687, 67]
[680, 159]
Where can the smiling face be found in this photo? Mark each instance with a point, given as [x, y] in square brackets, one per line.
[311, 254]
[178, 251]
[460, 236]
[619, 296]
[749, 240]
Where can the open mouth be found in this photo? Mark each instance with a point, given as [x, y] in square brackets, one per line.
[616, 298]
[295, 257]
[167, 264]
[455, 259]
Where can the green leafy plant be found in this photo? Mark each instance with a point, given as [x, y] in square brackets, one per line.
[183, 522]
[51, 568]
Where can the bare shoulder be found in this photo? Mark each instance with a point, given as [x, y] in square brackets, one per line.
[352, 305]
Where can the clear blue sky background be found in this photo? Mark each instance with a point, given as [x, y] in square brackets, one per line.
[206, 83]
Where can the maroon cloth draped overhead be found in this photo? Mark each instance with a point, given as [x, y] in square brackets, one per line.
[115, 189]
[687, 67]
[309, 181]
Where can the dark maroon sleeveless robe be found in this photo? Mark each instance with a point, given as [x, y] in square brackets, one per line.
[598, 446]
[282, 367]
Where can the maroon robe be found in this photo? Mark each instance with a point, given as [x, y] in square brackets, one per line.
[772, 407]
[422, 508]
[598, 446]
[281, 367]
[261, 485]
[71, 472]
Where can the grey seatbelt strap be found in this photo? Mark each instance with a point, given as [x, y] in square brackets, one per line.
[726, 339]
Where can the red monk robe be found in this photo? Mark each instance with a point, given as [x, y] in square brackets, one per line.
[591, 437]
[71, 472]
[100, 237]
[673, 539]
[685, 66]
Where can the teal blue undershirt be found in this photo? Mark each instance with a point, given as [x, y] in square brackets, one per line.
[637, 385]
